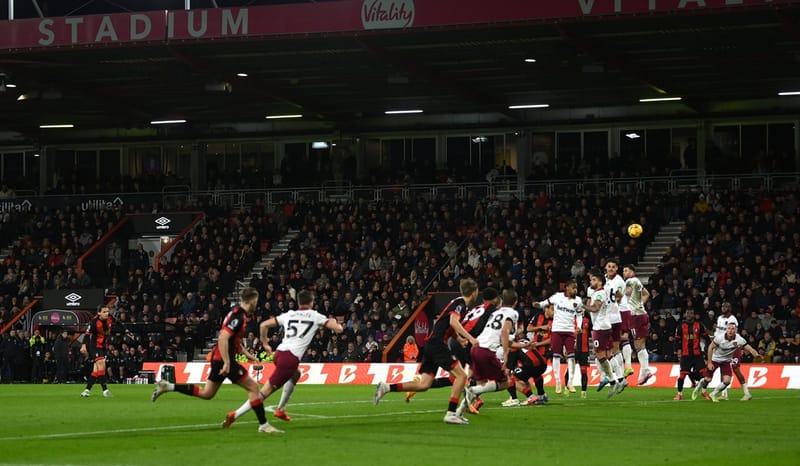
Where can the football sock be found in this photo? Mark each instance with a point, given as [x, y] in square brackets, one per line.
[258, 408]
[584, 379]
[288, 388]
[616, 370]
[570, 369]
[246, 406]
[91, 382]
[104, 382]
[512, 390]
[453, 405]
[441, 382]
[681, 376]
[539, 382]
[626, 353]
[527, 391]
[490, 386]
[720, 388]
[187, 389]
[605, 367]
[644, 362]
[745, 389]
[557, 370]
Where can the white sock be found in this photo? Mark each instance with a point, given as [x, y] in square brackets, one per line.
[571, 372]
[722, 387]
[170, 386]
[490, 386]
[616, 370]
[557, 370]
[288, 388]
[605, 368]
[644, 362]
[626, 355]
[745, 389]
[245, 407]
[461, 407]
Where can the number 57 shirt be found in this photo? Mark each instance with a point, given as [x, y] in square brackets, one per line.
[299, 329]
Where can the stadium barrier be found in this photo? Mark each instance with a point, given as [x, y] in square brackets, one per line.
[777, 376]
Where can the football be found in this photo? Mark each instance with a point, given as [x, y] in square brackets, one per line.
[634, 230]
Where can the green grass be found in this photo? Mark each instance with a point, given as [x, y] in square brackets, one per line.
[51, 424]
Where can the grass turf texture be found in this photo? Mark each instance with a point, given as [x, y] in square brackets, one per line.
[52, 424]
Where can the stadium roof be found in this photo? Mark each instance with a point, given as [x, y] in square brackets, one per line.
[720, 62]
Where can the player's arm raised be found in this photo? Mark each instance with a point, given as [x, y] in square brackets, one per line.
[455, 324]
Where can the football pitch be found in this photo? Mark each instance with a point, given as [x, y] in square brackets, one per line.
[52, 424]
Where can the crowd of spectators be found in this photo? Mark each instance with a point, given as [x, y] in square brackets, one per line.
[737, 247]
[372, 263]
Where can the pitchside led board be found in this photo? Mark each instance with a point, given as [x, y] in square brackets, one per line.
[168, 224]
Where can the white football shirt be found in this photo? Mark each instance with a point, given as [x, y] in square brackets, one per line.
[565, 310]
[725, 348]
[600, 319]
[300, 327]
[491, 335]
[612, 286]
[634, 301]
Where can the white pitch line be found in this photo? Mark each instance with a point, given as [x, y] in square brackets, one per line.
[195, 426]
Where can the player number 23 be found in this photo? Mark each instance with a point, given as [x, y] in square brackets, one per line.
[293, 327]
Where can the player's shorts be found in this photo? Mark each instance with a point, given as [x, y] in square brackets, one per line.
[460, 352]
[602, 339]
[434, 356]
[98, 354]
[616, 331]
[565, 340]
[689, 363]
[724, 368]
[531, 364]
[235, 374]
[485, 365]
[736, 360]
[626, 321]
[286, 365]
[640, 326]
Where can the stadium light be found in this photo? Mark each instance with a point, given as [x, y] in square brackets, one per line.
[530, 60]
[167, 122]
[785, 93]
[241, 75]
[661, 99]
[632, 136]
[280, 117]
[64, 125]
[519, 107]
[402, 112]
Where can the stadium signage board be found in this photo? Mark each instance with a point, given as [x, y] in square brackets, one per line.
[89, 299]
[776, 376]
[344, 16]
[167, 224]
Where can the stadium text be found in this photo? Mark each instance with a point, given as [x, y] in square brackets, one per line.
[139, 27]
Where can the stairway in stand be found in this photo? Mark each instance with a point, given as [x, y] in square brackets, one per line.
[278, 250]
[655, 251]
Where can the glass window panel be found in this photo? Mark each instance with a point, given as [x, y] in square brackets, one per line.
[13, 169]
[595, 151]
[725, 156]
[754, 147]
[632, 143]
[568, 153]
[658, 147]
[459, 160]
[781, 146]
[543, 155]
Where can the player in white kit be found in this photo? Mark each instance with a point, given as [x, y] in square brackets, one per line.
[300, 326]
[597, 306]
[720, 354]
[615, 287]
[722, 323]
[639, 324]
[568, 310]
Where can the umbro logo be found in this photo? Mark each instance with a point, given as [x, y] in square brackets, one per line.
[163, 223]
[73, 299]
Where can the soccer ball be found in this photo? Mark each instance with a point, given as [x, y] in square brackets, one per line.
[634, 230]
